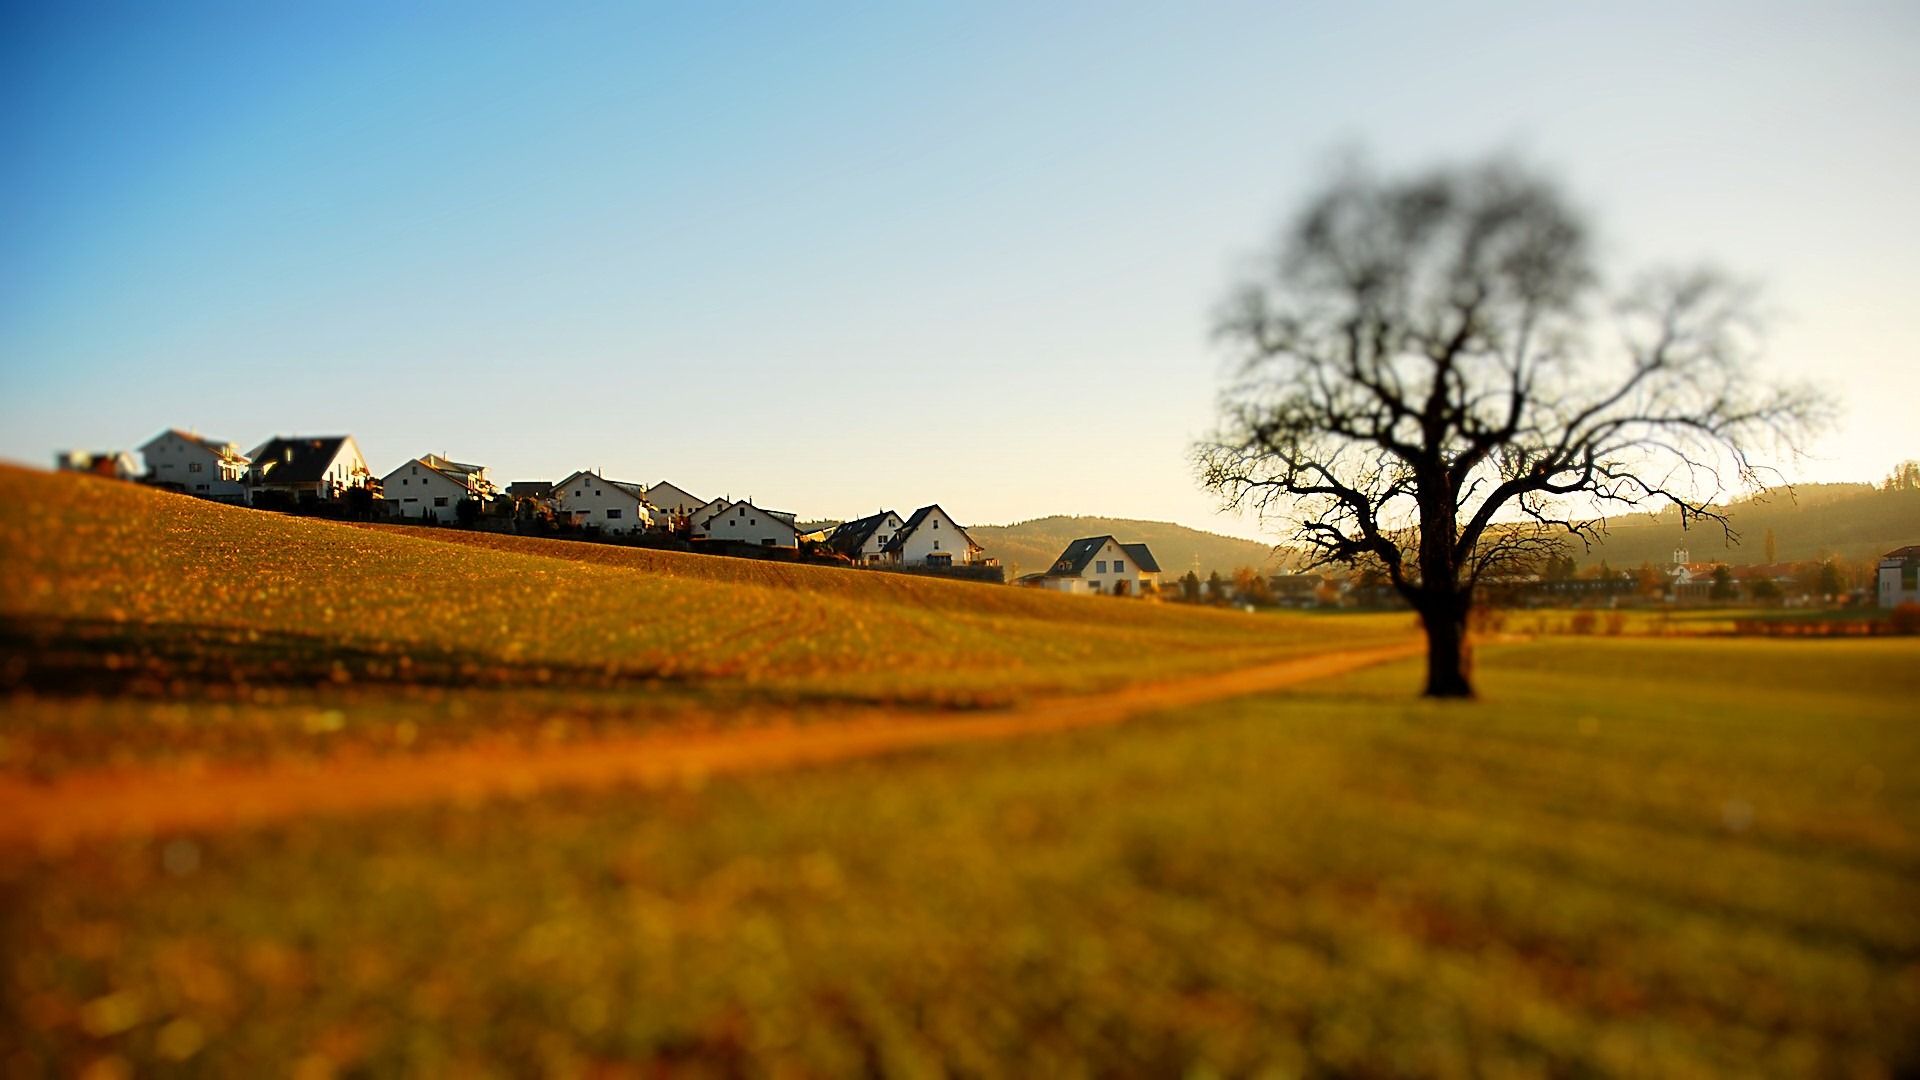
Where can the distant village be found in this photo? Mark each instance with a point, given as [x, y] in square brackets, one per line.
[327, 476]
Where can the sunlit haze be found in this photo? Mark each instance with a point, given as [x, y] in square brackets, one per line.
[837, 258]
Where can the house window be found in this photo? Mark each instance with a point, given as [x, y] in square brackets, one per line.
[936, 545]
[766, 541]
[597, 492]
[753, 521]
[414, 471]
[195, 467]
[613, 515]
[1100, 567]
[440, 501]
[936, 523]
[1119, 567]
[409, 499]
[576, 493]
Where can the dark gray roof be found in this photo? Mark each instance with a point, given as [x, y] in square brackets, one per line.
[850, 537]
[530, 489]
[919, 518]
[1073, 561]
[1142, 558]
[1077, 555]
[297, 461]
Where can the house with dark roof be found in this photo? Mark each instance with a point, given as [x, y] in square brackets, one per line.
[306, 469]
[1101, 565]
[430, 487]
[187, 462]
[865, 541]
[931, 538]
[613, 506]
[1899, 577]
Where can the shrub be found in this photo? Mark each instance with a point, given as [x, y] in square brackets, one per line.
[1906, 618]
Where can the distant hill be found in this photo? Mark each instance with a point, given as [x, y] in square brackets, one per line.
[1033, 545]
[1850, 522]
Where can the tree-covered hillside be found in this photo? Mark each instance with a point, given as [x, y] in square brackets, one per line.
[1845, 521]
[1032, 546]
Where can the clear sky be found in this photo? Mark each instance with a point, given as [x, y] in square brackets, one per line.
[840, 257]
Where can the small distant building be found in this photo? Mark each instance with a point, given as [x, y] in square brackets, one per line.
[186, 462]
[1900, 577]
[864, 542]
[613, 506]
[931, 538]
[1101, 565]
[430, 487]
[321, 468]
[745, 523]
[112, 464]
[1296, 590]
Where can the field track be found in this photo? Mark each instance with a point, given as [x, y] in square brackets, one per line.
[136, 802]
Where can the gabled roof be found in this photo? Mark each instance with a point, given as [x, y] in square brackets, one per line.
[1077, 555]
[692, 500]
[850, 537]
[1911, 551]
[220, 449]
[534, 489]
[1073, 561]
[780, 516]
[466, 476]
[298, 461]
[899, 541]
[637, 492]
[1142, 558]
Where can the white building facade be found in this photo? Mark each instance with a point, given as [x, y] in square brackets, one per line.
[745, 523]
[1899, 577]
[430, 487]
[932, 538]
[613, 506]
[198, 466]
[1101, 565]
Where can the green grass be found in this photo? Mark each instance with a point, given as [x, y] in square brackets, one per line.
[1634, 858]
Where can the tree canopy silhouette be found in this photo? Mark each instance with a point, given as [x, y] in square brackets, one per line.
[1431, 380]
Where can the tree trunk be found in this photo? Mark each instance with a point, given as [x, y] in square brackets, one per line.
[1448, 666]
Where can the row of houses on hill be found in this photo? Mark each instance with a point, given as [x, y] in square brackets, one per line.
[308, 470]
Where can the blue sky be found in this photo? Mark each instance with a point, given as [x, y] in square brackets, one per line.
[839, 257]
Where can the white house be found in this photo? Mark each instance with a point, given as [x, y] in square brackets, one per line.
[697, 521]
[615, 506]
[187, 462]
[1900, 576]
[672, 504]
[430, 487]
[1103, 565]
[745, 523]
[865, 541]
[324, 467]
[931, 538]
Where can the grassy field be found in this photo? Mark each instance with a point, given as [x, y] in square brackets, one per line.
[1635, 858]
[138, 626]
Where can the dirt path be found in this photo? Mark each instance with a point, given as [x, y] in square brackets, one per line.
[143, 802]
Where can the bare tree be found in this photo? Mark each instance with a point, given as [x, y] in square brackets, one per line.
[1425, 386]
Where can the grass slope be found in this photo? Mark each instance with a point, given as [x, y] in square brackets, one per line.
[254, 622]
[1634, 859]
[1033, 545]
